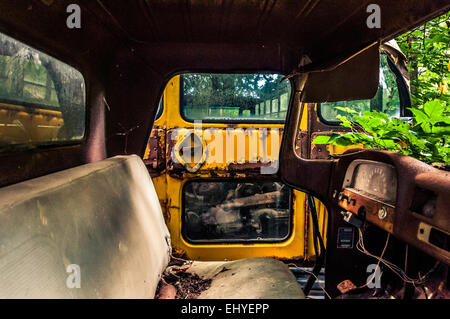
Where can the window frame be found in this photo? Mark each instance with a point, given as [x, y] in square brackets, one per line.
[403, 91]
[236, 241]
[236, 121]
[160, 109]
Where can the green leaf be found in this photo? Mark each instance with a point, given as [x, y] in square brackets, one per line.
[344, 140]
[427, 136]
[345, 109]
[321, 140]
[420, 116]
[434, 110]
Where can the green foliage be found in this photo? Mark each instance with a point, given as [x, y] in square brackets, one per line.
[425, 138]
[427, 49]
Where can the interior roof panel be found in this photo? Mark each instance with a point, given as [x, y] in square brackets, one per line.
[320, 28]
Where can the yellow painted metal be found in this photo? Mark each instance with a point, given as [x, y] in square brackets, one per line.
[223, 147]
[19, 124]
[169, 188]
[292, 248]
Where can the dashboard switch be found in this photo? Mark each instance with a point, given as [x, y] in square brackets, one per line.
[342, 197]
[352, 219]
[348, 198]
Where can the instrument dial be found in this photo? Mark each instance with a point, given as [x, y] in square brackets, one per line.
[374, 179]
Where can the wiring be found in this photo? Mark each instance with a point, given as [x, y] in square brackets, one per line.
[379, 260]
[317, 239]
[394, 268]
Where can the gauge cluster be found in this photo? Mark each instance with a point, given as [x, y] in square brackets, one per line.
[373, 179]
[369, 192]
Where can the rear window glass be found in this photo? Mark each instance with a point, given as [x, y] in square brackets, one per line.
[234, 97]
[236, 211]
[42, 100]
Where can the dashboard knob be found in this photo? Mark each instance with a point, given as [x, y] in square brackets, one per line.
[382, 213]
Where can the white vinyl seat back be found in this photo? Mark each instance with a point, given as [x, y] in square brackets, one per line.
[98, 226]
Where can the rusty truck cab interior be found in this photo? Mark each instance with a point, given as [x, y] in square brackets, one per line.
[81, 195]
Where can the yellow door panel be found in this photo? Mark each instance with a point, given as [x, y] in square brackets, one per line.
[231, 152]
[293, 247]
[218, 148]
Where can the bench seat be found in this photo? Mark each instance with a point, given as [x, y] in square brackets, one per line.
[102, 223]
[250, 278]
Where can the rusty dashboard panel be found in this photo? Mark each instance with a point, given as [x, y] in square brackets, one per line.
[413, 206]
[431, 208]
[374, 211]
[369, 191]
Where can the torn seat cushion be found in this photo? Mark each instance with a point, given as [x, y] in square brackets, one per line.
[251, 278]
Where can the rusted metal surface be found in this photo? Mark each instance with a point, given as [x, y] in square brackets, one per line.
[361, 205]
[319, 151]
[346, 286]
[250, 169]
[154, 158]
[297, 170]
[301, 144]
[211, 168]
[173, 168]
[406, 222]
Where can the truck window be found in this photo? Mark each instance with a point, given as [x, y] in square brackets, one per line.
[234, 97]
[42, 100]
[231, 211]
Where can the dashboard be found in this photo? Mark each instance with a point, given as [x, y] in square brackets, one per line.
[411, 204]
[369, 191]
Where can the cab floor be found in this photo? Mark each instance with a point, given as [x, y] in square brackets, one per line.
[302, 277]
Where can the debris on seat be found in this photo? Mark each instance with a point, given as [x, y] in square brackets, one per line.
[177, 283]
[249, 278]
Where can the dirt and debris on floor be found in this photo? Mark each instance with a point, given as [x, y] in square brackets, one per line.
[177, 283]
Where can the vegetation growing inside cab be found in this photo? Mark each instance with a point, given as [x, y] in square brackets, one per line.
[426, 136]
